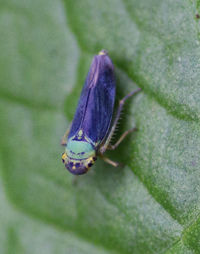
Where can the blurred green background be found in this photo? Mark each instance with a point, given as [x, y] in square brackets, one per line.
[152, 204]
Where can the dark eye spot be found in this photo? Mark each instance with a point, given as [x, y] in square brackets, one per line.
[90, 164]
[78, 164]
[94, 158]
[63, 160]
[71, 164]
[82, 152]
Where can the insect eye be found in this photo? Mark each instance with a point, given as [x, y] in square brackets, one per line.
[64, 156]
[90, 164]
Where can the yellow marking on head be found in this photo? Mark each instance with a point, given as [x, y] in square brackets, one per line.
[64, 156]
[102, 52]
[73, 167]
[89, 160]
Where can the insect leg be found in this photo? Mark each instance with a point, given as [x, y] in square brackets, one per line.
[121, 104]
[113, 163]
[113, 147]
[64, 138]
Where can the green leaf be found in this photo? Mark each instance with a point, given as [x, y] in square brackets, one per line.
[152, 204]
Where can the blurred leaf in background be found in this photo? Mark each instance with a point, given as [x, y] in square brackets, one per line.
[152, 204]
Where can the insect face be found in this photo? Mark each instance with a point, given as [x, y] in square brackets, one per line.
[78, 167]
[78, 157]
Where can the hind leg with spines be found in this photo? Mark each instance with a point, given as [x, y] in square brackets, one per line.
[107, 145]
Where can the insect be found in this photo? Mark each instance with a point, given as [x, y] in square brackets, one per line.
[90, 133]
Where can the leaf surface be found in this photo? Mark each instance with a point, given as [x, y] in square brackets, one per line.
[151, 204]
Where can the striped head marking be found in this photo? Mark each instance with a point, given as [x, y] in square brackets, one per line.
[78, 157]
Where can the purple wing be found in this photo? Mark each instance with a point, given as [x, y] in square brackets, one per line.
[95, 107]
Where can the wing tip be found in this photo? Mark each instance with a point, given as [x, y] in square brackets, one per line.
[103, 52]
